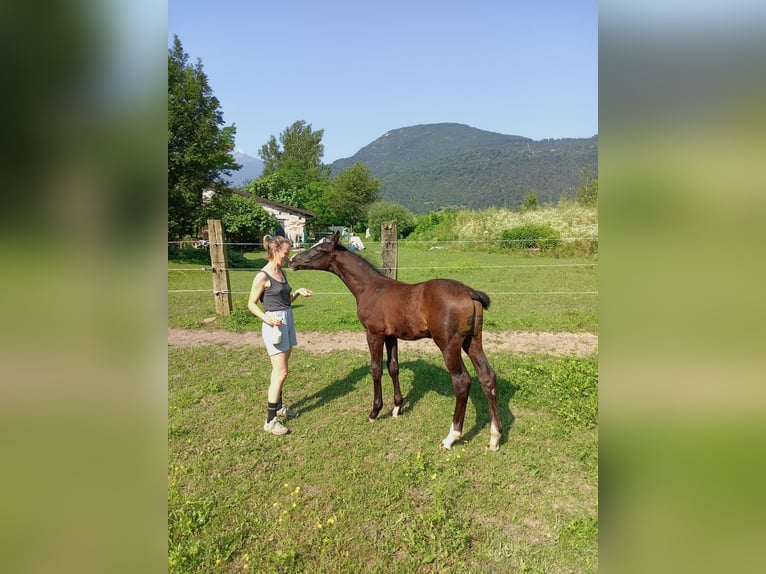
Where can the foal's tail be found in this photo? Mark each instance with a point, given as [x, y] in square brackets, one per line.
[477, 321]
[481, 297]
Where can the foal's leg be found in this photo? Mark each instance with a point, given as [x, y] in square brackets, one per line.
[375, 344]
[488, 380]
[392, 354]
[461, 381]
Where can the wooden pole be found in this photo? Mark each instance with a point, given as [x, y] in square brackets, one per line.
[390, 248]
[221, 289]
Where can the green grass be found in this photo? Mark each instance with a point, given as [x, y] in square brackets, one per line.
[341, 494]
[509, 278]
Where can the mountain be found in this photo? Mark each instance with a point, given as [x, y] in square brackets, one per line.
[252, 167]
[428, 167]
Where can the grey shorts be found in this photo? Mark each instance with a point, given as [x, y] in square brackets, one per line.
[287, 330]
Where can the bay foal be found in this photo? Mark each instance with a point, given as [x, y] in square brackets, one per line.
[445, 310]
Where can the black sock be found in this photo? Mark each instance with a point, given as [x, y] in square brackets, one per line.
[271, 412]
[279, 402]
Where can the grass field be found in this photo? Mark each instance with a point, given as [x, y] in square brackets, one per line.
[343, 495]
[529, 292]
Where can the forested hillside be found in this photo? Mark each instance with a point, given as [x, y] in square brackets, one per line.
[428, 167]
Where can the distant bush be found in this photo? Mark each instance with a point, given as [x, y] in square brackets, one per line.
[530, 236]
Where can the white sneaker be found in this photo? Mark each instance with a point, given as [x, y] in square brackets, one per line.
[287, 413]
[276, 427]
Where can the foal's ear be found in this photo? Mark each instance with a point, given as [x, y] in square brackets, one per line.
[335, 238]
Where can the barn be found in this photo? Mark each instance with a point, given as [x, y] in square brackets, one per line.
[292, 220]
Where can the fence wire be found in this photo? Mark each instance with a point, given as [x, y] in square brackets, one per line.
[429, 267]
[531, 265]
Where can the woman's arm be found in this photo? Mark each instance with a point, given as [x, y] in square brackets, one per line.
[302, 291]
[260, 284]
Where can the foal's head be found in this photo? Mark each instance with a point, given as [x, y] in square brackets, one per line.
[318, 257]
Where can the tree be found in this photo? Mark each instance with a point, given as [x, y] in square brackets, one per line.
[199, 145]
[587, 193]
[350, 193]
[276, 188]
[316, 201]
[243, 218]
[382, 211]
[297, 156]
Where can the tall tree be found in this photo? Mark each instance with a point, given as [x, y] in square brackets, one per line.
[199, 145]
[276, 188]
[297, 156]
[350, 194]
[316, 201]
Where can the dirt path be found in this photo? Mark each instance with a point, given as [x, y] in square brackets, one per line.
[522, 342]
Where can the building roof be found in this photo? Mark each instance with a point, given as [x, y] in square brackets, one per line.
[274, 204]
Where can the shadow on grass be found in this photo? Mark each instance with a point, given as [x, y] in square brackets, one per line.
[433, 377]
[428, 377]
[333, 391]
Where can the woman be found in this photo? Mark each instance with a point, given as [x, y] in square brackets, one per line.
[271, 289]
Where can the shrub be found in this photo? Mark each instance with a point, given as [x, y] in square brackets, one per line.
[530, 236]
[386, 211]
[244, 220]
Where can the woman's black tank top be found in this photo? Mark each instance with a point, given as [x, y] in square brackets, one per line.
[276, 297]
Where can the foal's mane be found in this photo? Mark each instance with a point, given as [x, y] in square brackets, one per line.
[360, 258]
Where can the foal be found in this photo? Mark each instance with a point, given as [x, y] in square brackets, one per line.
[445, 310]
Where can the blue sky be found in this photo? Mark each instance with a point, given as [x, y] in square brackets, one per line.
[359, 69]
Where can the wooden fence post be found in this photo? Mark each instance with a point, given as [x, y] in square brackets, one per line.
[390, 248]
[221, 289]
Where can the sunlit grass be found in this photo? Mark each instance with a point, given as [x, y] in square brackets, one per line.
[528, 292]
[340, 492]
